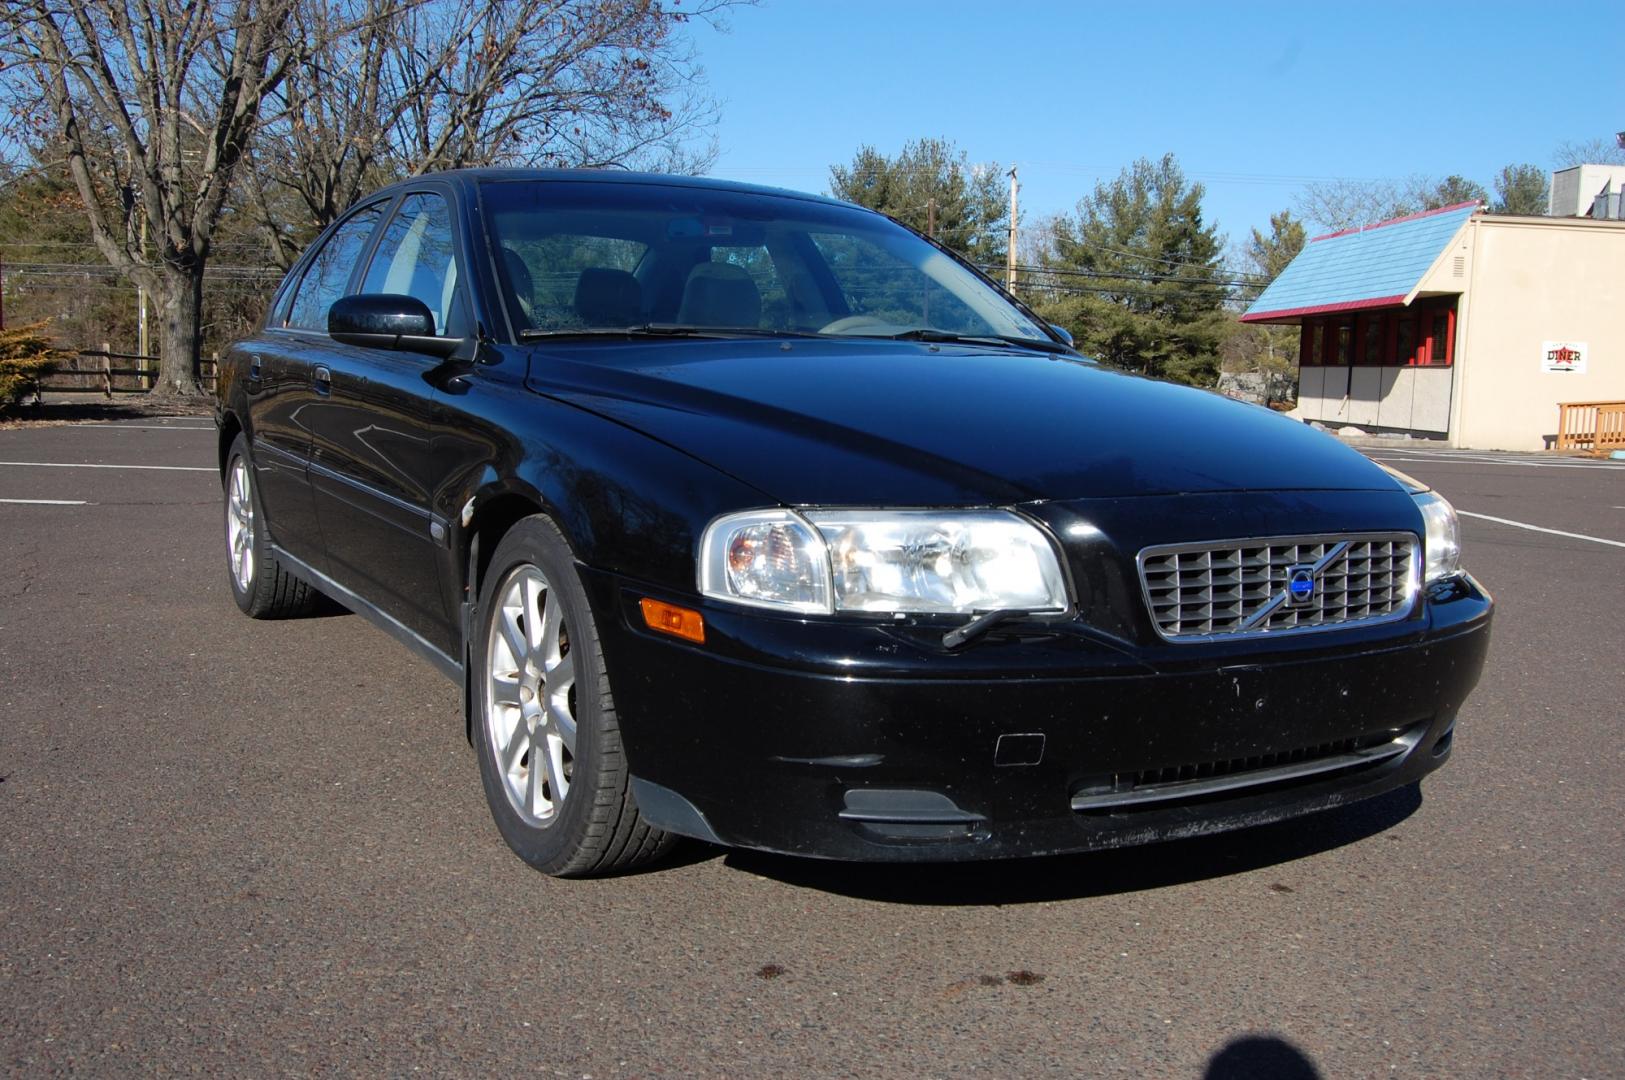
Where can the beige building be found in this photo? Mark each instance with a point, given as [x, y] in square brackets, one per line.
[1456, 325]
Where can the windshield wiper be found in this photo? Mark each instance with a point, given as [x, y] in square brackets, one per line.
[925, 333]
[662, 330]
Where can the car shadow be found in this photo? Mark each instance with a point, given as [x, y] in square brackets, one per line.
[1103, 873]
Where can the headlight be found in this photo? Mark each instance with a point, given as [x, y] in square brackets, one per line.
[881, 561]
[765, 558]
[1442, 542]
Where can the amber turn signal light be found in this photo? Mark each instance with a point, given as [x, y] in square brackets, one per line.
[671, 619]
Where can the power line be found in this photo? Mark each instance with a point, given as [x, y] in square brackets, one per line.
[1129, 254]
[1106, 275]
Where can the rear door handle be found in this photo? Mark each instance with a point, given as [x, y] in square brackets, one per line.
[322, 379]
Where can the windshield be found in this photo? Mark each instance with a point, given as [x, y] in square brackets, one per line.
[599, 257]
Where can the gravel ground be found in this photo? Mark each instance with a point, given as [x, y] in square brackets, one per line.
[261, 849]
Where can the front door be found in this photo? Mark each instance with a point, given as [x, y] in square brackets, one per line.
[372, 470]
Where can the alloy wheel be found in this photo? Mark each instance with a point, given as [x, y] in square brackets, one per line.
[240, 525]
[530, 694]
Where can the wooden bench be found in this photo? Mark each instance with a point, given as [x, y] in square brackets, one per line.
[1591, 425]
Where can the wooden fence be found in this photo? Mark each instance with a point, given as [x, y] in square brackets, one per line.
[94, 370]
[1591, 425]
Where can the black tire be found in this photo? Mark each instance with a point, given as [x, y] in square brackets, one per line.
[595, 828]
[260, 584]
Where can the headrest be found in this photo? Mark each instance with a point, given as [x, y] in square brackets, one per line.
[607, 297]
[720, 294]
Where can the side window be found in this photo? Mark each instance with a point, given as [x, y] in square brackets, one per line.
[417, 257]
[329, 271]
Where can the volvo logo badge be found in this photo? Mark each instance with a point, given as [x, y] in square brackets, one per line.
[1300, 585]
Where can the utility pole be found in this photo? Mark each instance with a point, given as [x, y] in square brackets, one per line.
[132, 210]
[141, 300]
[1010, 263]
[931, 217]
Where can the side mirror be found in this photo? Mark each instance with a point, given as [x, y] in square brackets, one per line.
[387, 321]
[1063, 333]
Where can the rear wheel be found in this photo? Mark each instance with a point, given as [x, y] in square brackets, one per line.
[550, 752]
[262, 587]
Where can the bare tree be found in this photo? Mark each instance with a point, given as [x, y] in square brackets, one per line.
[436, 84]
[1346, 203]
[1604, 150]
[154, 103]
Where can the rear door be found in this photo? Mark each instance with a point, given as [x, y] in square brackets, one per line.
[372, 470]
[281, 386]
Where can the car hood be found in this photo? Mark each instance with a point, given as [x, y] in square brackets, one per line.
[903, 423]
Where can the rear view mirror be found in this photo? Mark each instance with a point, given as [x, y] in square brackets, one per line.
[387, 321]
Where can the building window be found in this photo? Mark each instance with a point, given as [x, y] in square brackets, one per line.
[1423, 336]
[1405, 340]
[1374, 339]
[1437, 333]
[1439, 352]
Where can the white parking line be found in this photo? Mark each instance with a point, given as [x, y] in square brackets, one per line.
[69, 465]
[47, 502]
[114, 425]
[1541, 529]
[1466, 459]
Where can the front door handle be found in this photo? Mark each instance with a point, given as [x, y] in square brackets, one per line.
[322, 379]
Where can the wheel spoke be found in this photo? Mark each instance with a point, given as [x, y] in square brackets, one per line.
[512, 637]
[552, 622]
[558, 786]
[560, 720]
[518, 743]
[533, 770]
[537, 610]
[505, 690]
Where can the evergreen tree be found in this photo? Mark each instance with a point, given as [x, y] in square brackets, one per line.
[1138, 282]
[1255, 347]
[1454, 189]
[1270, 254]
[1520, 189]
[972, 210]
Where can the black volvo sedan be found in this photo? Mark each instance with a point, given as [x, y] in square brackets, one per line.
[757, 517]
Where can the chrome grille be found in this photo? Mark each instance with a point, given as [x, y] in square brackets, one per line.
[1198, 592]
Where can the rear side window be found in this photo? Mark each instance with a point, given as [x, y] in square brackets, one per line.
[417, 257]
[328, 273]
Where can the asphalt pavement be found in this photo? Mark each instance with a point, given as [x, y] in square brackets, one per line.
[261, 849]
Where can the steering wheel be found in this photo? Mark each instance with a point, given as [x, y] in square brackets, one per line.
[846, 324]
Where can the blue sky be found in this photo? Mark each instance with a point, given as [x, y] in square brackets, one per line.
[1255, 100]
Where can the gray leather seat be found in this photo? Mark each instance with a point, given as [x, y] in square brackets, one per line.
[720, 294]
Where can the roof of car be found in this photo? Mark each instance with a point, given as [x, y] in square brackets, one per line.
[612, 176]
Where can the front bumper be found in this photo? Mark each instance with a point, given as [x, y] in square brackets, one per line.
[872, 743]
